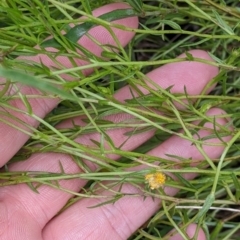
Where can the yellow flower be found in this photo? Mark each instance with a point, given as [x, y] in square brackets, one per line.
[155, 180]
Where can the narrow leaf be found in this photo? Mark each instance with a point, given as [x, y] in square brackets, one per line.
[36, 82]
[237, 186]
[206, 206]
[136, 4]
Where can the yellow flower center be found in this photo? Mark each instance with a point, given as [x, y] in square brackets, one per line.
[155, 180]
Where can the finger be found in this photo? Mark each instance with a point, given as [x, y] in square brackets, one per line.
[121, 219]
[99, 34]
[50, 201]
[190, 231]
[189, 74]
[14, 139]
[193, 76]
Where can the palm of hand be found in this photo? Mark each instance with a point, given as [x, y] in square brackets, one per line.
[27, 215]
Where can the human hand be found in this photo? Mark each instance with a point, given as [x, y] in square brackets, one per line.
[27, 215]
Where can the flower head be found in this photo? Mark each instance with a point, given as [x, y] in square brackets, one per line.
[155, 180]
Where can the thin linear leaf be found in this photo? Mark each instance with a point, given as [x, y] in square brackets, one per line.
[171, 24]
[136, 4]
[223, 24]
[30, 185]
[36, 82]
[113, 200]
[237, 186]
[206, 206]
[185, 182]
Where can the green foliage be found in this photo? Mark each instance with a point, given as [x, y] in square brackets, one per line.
[167, 29]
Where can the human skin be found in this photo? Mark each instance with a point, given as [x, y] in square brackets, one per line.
[27, 215]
